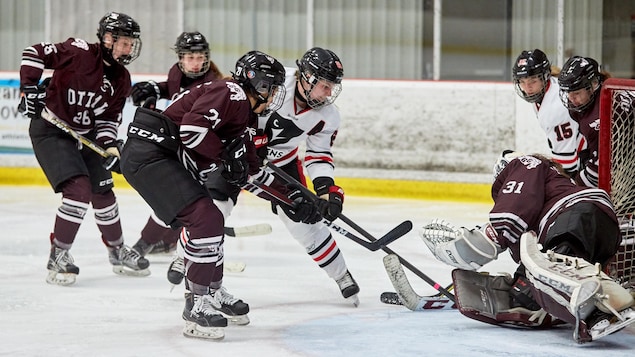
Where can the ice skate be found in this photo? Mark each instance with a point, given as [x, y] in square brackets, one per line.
[61, 269]
[142, 247]
[601, 324]
[349, 288]
[234, 309]
[126, 261]
[162, 247]
[176, 271]
[201, 319]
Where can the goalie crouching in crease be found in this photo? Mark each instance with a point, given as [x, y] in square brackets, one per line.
[536, 204]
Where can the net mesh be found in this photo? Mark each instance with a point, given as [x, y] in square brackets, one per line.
[617, 167]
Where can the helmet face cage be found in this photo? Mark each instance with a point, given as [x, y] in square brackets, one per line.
[578, 73]
[531, 64]
[192, 43]
[316, 67]
[263, 76]
[119, 24]
[503, 160]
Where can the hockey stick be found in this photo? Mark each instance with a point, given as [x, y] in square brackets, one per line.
[248, 231]
[392, 298]
[406, 294]
[376, 244]
[403, 261]
[68, 130]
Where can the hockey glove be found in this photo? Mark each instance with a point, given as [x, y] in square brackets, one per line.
[304, 210]
[141, 91]
[112, 162]
[331, 198]
[32, 99]
[236, 167]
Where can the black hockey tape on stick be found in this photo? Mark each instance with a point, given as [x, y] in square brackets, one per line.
[68, 130]
[374, 245]
[438, 287]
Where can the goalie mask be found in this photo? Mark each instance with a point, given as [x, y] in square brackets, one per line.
[321, 75]
[193, 51]
[531, 67]
[503, 160]
[263, 77]
[579, 83]
[125, 33]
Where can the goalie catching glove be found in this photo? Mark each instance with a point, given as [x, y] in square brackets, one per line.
[331, 198]
[463, 248]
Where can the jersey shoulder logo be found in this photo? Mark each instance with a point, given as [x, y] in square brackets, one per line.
[79, 43]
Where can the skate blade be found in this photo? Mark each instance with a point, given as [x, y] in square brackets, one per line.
[629, 318]
[63, 279]
[354, 300]
[239, 320]
[194, 330]
[122, 270]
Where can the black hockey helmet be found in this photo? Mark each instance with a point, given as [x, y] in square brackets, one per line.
[321, 64]
[531, 64]
[190, 42]
[263, 76]
[576, 74]
[119, 24]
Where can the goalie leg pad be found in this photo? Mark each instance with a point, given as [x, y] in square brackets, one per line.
[487, 298]
[571, 288]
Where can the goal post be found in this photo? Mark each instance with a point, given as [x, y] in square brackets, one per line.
[617, 167]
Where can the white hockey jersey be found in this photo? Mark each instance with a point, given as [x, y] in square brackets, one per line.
[288, 128]
[563, 136]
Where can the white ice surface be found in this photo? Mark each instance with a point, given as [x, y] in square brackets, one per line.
[296, 310]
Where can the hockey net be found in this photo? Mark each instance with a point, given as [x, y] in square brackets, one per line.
[617, 167]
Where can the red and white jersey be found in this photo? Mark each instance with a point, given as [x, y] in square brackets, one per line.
[289, 127]
[563, 136]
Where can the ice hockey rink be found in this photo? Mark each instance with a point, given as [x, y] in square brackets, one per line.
[296, 310]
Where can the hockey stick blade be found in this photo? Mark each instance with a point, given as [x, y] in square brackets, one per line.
[376, 244]
[394, 234]
[426, 302]
[408, 297]
[248, 231]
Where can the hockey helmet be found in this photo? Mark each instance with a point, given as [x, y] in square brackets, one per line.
[191, 42]
[119, 24]
[503, 160]
[579, 73]
[319, 64]
[263, 76]
[531, 64]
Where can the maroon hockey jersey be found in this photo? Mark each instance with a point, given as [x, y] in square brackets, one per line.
[589, 126]
[209, 116]
[528, 196]
[177, 82]
[83, 92]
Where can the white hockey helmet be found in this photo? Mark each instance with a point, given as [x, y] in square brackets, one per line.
[503, 160]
